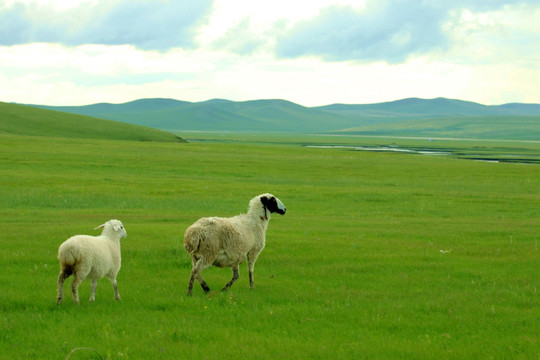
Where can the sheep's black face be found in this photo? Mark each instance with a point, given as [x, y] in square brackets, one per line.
[273, 204]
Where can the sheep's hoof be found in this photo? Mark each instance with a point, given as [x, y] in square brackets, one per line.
[59, 301]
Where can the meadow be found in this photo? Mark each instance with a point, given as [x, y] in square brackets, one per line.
[380, 255]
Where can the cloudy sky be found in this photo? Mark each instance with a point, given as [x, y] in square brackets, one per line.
[312, 52]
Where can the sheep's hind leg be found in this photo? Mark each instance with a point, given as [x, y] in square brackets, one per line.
[234, 278]
[203, 283]
[64, 274]
[196, 273]
[75, 288]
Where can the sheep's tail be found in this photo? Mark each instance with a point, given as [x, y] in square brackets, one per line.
[67, 255]
[192, 241]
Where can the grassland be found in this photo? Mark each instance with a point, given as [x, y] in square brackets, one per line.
[496, 150]
[380, 255]
[477, 127]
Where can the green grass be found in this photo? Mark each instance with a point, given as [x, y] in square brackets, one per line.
[25, 120]
[353, 270]
[517, 151]
[476, 127]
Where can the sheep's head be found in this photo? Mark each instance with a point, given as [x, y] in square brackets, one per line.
[114, 226]
[272, 204]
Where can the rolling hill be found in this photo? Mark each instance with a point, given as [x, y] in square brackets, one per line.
[215, 115]
[415, 108]
[406, 117]
[25, 120]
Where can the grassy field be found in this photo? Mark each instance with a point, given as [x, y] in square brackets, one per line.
[482, 127]
[380, 255]
[517, 151]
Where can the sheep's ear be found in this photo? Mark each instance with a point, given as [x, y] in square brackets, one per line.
[264, 200]
[116, 227]
[100, 227]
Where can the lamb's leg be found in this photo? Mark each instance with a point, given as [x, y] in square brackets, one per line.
[61, 278]
[251, 284]
[77, 279]
[115, 287]
[234, 278]
[93, 293]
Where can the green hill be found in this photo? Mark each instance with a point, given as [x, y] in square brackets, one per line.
[415, 108]
[216, 115]
[439, 117]
[27, 120]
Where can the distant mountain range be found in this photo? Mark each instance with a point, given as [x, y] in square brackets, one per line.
[412, 116]
[431, 108]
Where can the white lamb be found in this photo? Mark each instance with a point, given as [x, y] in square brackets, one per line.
[92, 257]
[228, 242]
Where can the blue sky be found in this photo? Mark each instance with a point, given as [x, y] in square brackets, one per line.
[314, 52]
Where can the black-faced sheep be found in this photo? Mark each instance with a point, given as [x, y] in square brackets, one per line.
[92, 257]
[228, 242]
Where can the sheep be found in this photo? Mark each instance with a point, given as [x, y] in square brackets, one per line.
[228, 242]
[91, 257]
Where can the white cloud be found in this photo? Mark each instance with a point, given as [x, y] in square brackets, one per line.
[152, 25]
[228, 14]
[308, 81]
[510, 35]
[331, 51]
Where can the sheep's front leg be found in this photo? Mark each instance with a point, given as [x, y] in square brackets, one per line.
[93, 293]
[251, 284]
[251, 267]
[235, 277]
[115, 287]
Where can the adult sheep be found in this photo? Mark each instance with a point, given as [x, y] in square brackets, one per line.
[228, 242]
[93, 257]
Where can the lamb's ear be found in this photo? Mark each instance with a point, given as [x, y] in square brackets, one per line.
[116, 227]
[100, 226]
[264, 200]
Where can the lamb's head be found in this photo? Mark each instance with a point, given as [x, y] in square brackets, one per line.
[269, 203]
[114, 229]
